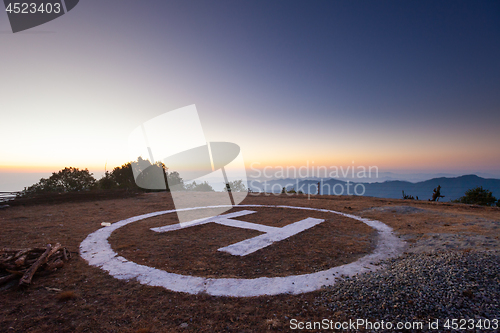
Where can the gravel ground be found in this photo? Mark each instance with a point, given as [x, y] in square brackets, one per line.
[422, 287]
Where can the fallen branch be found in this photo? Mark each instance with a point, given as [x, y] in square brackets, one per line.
[21, 260]
[26, 279]
[7, 278]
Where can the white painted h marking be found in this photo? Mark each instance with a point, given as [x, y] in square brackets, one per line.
[271, 234]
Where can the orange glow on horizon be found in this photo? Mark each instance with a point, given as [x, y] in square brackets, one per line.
[403, 160]
[47, 168]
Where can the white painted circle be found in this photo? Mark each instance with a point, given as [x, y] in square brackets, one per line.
[98, 252]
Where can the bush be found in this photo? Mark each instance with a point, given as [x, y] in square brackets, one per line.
[478, 196]
[408, 197]
[67, 180]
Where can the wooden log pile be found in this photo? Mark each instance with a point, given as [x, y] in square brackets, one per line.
[24, 263]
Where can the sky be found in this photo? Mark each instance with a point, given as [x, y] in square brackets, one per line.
[407, 86]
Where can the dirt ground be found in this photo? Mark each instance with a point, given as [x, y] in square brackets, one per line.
[82, 298]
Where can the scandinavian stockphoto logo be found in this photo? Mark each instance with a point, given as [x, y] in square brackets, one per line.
[172, 153]
[25, 15]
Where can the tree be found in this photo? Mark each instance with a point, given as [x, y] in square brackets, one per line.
[436, 194]
[120, 177]
[174, 179]
[150, 176]
[106, 182]
[156, 176]
[124, 177]
[236, 186]
[478, 196]
[202, 187]
[66, 180]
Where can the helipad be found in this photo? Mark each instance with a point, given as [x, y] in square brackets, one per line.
[98, 252]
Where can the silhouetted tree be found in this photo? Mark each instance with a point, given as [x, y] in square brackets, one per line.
[436, 194]
[236, 186]
[121, 177]
[202, 187]
[66, 180]
[174, 179]
[407, 196]
[150, 176]
[106, 182]
[124, 177]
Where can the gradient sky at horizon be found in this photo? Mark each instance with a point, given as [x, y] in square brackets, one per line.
[407, 86]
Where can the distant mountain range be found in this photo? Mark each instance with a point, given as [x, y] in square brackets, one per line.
[451, 187]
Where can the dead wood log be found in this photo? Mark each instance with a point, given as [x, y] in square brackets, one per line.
[27, 262]
[6, 266]
[6, 259]
[22, 253]
[31, 261]
[20, 273]
[66, 254]
[7, 278]
[12, 251]
[58, 263]
[21, 260]
[28, 276]
[56, 248]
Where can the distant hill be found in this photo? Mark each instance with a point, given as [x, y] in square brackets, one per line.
[451, 187]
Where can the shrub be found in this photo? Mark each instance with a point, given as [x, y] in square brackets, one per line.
[408, 197]
[478, 196]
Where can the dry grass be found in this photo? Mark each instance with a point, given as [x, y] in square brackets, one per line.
[66, 296]
[144, 330]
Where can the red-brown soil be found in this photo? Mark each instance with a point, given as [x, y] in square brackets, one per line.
[81, 298]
